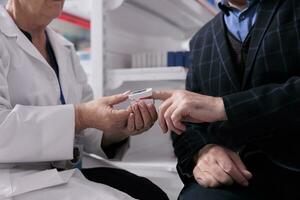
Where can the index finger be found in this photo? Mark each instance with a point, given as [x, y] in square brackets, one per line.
[161, 117]
[115, 99]
[231, 169]
[162, 94]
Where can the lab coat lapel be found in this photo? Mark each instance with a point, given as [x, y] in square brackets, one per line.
[62, 51]
[264, 19]
[29, 48]
[10, 29]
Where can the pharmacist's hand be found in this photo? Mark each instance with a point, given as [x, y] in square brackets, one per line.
[145, 116]
[141, 118]
[183, 106]
[216, 166]
[101, 115]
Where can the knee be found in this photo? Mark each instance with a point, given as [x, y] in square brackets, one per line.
[190, 192]
[194, 191]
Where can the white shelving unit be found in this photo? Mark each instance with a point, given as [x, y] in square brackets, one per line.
[120, 28]
[117, 77]
[132, 26]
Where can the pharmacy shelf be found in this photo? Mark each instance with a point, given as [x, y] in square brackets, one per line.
[187, 16]
[116, 77]
[174, 19]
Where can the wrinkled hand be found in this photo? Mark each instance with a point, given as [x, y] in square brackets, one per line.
[216, 166]
[116, 125]
[183, 106]
[145, 116]
[142, 117]
[101, 115]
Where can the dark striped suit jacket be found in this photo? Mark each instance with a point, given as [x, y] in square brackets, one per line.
[264, 108]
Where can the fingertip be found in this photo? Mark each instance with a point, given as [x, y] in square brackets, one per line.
[180, 126]
[164, 130]
[129, 108]
[131, 118]
[180, 133]
[126, 93]
[134, 106]
[201, 182]
[161, 95]
[247, 174]
[154, 94]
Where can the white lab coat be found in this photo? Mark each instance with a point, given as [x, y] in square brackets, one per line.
[34, 129]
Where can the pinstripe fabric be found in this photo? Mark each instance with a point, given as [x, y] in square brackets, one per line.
[264, 110]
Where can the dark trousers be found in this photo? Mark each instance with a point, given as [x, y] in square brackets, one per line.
[135, 186]
[269, 182]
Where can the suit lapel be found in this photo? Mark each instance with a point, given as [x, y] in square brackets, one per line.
[264, 19]
[219, 35]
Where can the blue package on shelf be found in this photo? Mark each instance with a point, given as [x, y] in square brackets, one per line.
[187, 61]
[171, 59]
[212, 2]
[179, 58]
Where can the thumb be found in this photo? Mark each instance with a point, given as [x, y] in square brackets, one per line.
[115, 99]
[162, 95]
[122, 114]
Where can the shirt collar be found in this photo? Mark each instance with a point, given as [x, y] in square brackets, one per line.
[249, 2]
[226, 8]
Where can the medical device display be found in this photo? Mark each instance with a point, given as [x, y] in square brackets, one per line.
[141, 94]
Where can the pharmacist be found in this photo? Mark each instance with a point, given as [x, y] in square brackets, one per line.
[46, 105]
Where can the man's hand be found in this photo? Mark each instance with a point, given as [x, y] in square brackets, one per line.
[181, 105]
[216, 166]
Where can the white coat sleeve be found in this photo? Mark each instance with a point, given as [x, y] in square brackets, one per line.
[32, 133]
[91, 139]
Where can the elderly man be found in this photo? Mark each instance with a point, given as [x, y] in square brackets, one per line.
[46, 105]
[242, 108]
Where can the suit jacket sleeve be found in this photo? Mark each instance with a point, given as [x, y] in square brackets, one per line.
[263, 109]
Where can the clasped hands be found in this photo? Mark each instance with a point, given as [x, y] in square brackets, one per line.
[215, 165]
